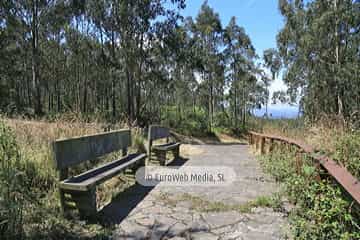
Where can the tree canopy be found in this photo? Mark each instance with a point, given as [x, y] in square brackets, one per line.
[125, 60]
[319, 46]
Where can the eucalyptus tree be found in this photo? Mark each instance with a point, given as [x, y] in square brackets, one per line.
[319, 47]
[272, 61]
[28, 26]
[138, 24]
[207, 31]
[240, 55]
[123, 59]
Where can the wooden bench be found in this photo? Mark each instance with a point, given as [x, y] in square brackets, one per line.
[81, 189]
[160, 150]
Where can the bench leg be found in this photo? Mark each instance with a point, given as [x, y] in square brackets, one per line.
[86, 203]
[161, 157]
[138, 165]
[176, 152]
[63, 202]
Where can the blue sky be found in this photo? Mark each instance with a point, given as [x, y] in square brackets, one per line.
[260, 18]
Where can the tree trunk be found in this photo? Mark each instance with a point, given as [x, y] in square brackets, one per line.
[36, 91]
[129, 96]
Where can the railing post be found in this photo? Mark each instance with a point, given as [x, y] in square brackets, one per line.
[256, 139]
[271, 145]
[298, 161]
[262, 145]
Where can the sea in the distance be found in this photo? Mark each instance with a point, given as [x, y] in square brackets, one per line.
[279, 111]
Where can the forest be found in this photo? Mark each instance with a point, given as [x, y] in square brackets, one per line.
[137, 60]
[127, 60]
[75, 67]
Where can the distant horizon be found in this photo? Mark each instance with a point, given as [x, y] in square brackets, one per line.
[279, 111]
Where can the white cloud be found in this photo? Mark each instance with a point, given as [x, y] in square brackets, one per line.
[277, 85]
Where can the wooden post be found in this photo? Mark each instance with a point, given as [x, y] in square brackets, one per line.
[318, 167]
[298, 161]
[250, 139]
[176, 152]
[161, 157]
[271, 145]
[262, 145]
[256, 138]
[86, 203]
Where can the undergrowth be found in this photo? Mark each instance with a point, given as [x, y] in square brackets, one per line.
[328, 135]
[347, 151]
[323, 210]
[29, 200]
[194, 122]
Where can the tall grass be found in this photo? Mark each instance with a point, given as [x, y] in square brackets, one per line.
[12, 186]
[329, 135]
[29, 201]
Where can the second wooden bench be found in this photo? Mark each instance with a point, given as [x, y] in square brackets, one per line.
[158, 132]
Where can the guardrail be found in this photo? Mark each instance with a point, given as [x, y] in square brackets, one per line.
[265, 143]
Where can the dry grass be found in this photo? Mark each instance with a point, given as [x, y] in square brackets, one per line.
[35, 137]
[322, 135]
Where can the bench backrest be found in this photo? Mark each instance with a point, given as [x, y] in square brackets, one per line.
[158, 132]
[73, 151]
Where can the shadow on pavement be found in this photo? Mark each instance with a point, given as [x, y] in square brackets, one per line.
[124, 202]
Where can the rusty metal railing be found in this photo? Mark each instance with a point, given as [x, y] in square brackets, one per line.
[265, 143]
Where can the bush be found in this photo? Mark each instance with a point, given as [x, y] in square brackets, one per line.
[278, 164]
[348, 152]
[192, 122]
[222, 119]
[12, 186]
[323, 211]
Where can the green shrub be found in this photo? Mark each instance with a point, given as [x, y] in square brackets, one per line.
[12, 186]
[278, 164]
[192, 122]
[222, 119]
[323, 211]
[348, 152]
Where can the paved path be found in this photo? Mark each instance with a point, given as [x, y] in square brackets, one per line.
[176, 213]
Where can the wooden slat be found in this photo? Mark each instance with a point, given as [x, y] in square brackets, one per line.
[350, 183]
[72, 151]
[166, 147]
[96, 176]
[158, 132]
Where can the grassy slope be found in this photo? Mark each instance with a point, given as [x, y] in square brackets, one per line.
[43, 219]
[328, 136]
[323, 210]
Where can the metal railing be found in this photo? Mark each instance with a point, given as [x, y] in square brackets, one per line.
[265, 143]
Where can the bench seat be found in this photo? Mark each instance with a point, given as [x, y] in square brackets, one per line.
[87, 180]
[166, 146]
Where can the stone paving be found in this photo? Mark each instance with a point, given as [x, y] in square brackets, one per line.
[157, 214]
